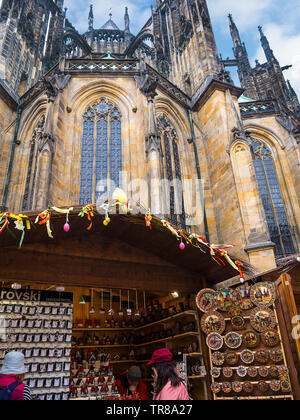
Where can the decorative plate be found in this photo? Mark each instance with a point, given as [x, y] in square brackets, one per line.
[247, 356]
[262, 319]
[212, 321]
[251, 339]
[241, 371]
[263, 371]
[248, 387]
[215, 372]
[276, 355]
[224, 299]
[285, 386]
[237, 387]
[241, 297]
[273, 371]
[252, 372]
[233, 340]
[263, 386]
[275, 386]
[234, 311]
[238, 323]
[218, 358]
[270, 338]
[227, 372]
[214, 341]
[206, 300]
[263, 295]
[262, 356]
[231, 358]
[283, 370]
[226, 387]
[216, 388]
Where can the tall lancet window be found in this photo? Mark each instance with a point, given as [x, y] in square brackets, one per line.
[32, 165]
[275, 212]
[101, 159]
[171, 173]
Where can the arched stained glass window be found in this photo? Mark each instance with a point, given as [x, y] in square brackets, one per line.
[171, 171]
[275, 212]
[101, 161]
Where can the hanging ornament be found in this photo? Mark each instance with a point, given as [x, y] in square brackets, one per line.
[148, 218]
[102, 310]
[87, 210]
[181, 246]
[105, 207]
[66, 212]
[92, 309]
[45, 219]
[240, 265]
[111, 311]
[82, 301]
[137, 312]
[129, 311]
[120, 313]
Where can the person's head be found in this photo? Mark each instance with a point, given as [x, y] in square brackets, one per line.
[134, 375]
[164, 369]
[14, 365]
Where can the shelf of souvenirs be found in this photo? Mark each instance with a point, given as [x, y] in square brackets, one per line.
[163, 320]
[186, 334]
[98, 346]
[270, 397]
[196, 377]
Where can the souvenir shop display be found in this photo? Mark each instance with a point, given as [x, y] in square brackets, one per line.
[39, 324]
[213, 321]
[206, 300]
[251, 345]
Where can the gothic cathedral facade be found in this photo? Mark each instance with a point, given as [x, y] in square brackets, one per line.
[156, 114]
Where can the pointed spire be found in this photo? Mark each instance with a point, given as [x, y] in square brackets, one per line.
[266, 46]
[91, 18]
[239, 50]
[234, 32]
[127, 21]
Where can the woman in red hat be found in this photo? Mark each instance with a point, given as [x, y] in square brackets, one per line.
[168, 385]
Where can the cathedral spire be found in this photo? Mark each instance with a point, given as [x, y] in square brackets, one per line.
[127, 21]
[266, 46]
[91, 18]
[239, 50]
[234, 32]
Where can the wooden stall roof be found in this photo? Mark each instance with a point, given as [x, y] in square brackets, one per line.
[84, 245]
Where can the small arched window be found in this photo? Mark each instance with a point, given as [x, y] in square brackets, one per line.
[171, 172]
[32, 165]
[101, 157]
[280, 231]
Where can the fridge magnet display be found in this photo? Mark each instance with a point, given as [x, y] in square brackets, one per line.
[241, 297]
[213, 321]
[227, 372]
[226, 387]
[276, 355]
[263, 295]
[224, 299]
[252, 372]
[263, 387]
[237, 387]
[270, 338]
[206, 300]
[238, 323]
[214, 341]
[262, 319]
[233, 340]
[251, 339]
[263, 371]
[215, 372]
[218, 358]
[273, 371]
[247, 357]
[248, 387]
[275, 385]
[262, 356]
[231, 358]
[241, 371]
[234, 311]
[216, 387]
[285, 386]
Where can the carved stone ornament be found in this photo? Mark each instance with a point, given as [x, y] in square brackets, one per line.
[46, 139]
[147, 84]
[153, 143]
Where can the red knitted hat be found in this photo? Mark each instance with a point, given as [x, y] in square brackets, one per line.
[161, 356]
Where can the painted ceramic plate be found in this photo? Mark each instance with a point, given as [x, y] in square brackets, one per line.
[276, 355]
[234, 311]
[226, 387]
[224, 299]
[248, 387]
[263, 371]
[212, 321]
[262, 319]
[218, 358]
[233, 340]
[275, 386]
[285, 386]
[263, 386]
[262, 356]
[270, 338]
[227, 372]
[214, 341]
[241, 297]
[238, 323]
[263, 295]
[237, 387]
[231, 358]
[273, 371]
[206, 300]
[241, 371]
[215, 372]
[252, 372]
[247, 357]
[251, 339]
[216, 388]
[283, 370]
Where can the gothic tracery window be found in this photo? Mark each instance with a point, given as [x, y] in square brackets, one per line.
[171, 172]
[101, 158]
[274, 207]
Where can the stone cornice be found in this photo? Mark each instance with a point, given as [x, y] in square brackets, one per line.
[8, 96]
[208, 88]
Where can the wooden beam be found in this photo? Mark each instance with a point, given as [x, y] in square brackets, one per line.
[40, 268]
